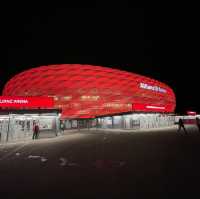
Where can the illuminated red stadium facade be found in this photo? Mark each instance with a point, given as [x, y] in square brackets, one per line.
[85, 91]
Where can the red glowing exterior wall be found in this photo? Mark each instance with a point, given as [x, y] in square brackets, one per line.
[89, 91]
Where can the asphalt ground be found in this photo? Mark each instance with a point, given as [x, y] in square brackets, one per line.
[160, 163]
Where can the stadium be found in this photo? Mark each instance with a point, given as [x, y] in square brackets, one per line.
[86, 91]
[74, 96]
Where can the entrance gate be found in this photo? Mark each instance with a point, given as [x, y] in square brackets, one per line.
[16, 127]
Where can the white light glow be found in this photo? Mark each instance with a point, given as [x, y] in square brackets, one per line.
[155, 107]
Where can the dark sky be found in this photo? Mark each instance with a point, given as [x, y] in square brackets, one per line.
[160, 43]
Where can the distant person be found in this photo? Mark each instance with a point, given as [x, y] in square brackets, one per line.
[35, 130]
[181, 125]
[198, 123]
[62, 126]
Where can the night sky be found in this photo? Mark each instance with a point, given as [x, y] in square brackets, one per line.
[159, 43]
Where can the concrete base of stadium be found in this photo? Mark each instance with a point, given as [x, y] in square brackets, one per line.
[18, 127]
[129, 121]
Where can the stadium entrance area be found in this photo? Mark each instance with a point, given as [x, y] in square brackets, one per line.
[18, 125]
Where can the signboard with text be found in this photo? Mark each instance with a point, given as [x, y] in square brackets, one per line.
[150, 107]
[152, 87]
[26, 102]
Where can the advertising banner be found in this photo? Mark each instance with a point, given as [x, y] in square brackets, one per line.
[26, 102]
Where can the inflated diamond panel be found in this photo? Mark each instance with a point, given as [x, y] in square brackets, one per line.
[88, 91]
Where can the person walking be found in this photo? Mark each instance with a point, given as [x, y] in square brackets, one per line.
[35, 130]
[181, 125]
[198, 123]
[62, 126]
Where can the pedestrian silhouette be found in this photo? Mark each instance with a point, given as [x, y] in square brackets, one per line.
[62, 126]
[198, 123]
[35, 130]
[181, 125]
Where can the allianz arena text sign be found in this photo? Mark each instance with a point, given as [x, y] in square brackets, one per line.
[29, 102]
[153, 88]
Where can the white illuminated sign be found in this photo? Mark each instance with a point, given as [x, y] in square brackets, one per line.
[155, 107]
[13, 101]
[153, 88]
